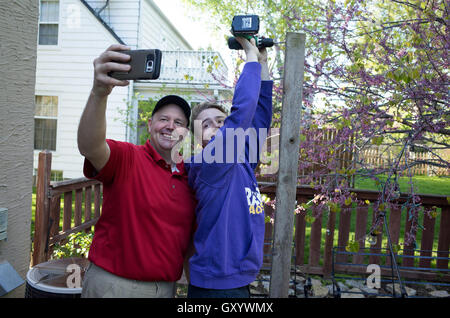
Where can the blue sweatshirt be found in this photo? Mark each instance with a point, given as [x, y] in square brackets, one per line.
[230, 213]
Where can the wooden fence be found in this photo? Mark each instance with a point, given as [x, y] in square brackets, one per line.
[319, 260]
[376, 158]
[343, 157]
[53, 225]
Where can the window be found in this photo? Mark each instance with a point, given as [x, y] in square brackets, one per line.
[45, 120]
[48, 22]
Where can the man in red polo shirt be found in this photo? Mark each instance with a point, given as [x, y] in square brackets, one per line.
[145, 228]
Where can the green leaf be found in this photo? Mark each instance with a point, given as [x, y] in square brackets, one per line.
[396, 248]
[352, 247]
[377, 140]
[348, 201]
[334, 207]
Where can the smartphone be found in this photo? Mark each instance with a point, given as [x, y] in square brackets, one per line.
[145, 64]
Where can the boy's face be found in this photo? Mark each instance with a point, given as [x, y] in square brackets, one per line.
[211, 120]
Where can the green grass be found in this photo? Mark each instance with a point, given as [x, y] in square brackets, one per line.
[422, 184]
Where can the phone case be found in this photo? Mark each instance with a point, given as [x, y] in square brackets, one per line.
[145, 64]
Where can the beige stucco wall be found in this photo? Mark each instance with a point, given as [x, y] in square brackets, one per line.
[18, 33]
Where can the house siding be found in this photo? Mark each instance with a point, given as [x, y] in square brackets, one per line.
[66, 71]
[156, 31]
[123, 17]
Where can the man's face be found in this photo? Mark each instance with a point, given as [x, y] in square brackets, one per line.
[162, 126]
[211, 120]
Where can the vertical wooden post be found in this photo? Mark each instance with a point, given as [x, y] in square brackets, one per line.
[42, 207]
[288, 166]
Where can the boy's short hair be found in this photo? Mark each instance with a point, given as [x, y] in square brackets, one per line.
[197, 109]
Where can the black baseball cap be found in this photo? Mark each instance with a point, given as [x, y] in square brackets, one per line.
[177, 100]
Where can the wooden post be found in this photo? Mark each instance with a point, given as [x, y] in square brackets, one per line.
[42, 207]
[288, 166]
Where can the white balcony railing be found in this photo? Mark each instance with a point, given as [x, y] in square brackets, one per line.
[194, 67]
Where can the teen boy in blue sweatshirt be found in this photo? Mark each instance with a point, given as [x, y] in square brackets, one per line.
[230, 213]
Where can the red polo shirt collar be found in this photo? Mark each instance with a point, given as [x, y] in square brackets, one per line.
[160, 161]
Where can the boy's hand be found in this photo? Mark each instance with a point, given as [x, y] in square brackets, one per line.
[250, 48]
[262, 58]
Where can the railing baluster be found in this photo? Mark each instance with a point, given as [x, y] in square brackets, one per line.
[268, 237]
[344, 232]
[408, 248]
[329, 242]
[67, 220]
[427, 240]
[193, 63]
[395, 217]
[360, 231]
[300, 231]
[376, 248]
[87, 203]
[78, 206]
[55, 213]
[444, 238]
[315, 240]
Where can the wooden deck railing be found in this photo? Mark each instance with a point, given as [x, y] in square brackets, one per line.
[319, 259]
[49, 227]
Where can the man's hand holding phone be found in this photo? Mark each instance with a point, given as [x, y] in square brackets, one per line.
[118, 64]
[109, 61]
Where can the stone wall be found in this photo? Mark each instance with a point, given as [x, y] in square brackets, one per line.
[18, 31]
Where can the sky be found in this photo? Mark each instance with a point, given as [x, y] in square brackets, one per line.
[195, 28]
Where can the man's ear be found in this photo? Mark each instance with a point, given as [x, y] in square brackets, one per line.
[149, 124]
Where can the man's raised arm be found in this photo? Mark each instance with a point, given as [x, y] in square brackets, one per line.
[92, 127]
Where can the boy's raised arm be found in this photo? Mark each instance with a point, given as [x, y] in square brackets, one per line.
[92, 127]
